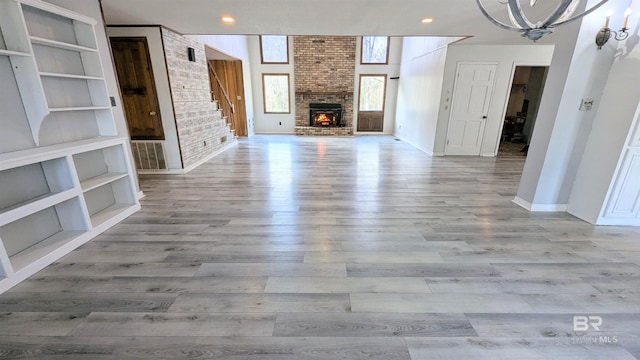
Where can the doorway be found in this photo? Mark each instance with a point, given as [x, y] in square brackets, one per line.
[230, 75]
[371, 102]
[522, 110]
[472, 94]
[135, 76]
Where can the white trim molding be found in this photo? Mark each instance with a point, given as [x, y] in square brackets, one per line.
[522, 203]
[540, 207]
[214, 154]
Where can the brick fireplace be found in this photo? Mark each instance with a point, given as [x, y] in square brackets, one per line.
[324, 74]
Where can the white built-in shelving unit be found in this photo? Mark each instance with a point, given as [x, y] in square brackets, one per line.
[65, 172]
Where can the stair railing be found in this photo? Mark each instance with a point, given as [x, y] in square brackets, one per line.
[219, 93]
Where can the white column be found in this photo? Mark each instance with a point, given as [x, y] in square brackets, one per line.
[578, 71]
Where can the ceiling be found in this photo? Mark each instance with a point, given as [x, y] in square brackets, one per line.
[323, 17]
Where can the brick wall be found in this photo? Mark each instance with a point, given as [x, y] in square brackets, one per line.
[198, 119]
[324, 71]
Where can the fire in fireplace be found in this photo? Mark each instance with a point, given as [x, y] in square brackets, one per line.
[325, 115]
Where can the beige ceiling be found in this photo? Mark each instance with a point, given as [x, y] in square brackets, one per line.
[321, 17]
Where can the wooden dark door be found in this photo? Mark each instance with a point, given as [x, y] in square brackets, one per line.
[230, 74]
[371, 102]
[135, 75]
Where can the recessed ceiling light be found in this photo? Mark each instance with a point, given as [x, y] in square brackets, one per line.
[427, 20]
[228, 19]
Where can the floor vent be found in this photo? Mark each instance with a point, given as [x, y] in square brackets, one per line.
[149, 155]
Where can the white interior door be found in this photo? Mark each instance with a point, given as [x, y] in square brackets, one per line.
[469, 108]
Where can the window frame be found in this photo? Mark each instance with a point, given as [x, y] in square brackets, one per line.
[374, 63]
[262, 61]
[264, 93]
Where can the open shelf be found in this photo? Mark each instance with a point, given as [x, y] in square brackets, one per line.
[52, 60]
[104, 215]
[106, 201]
[75, 93]
[105, 182]
[43, 248]
[65, 171]
[43, 153]
[35, 186]
[35, 205]
[54, 23]
[56, 224]
[76, 126]
[60, 44]
[103, 179]
[101, 166]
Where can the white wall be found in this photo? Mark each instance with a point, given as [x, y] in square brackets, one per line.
[271, 123]
[237, 47]
[161, 79]
[507, 57]
[578, 70]
[420, 86]
[392, 69]
[611, 126]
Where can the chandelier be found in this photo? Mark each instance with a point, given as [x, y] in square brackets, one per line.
[563, 14]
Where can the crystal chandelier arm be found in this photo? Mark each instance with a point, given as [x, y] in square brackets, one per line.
[587, 12]
[494, 21]
[516, 10]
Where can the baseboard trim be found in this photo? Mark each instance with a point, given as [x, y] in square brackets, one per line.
[160, 172]
[369, 133]
[550, 208]
[617, 221]
[522, 203]
[214, 154]
[430, 153]
[273, 133]
[540, 207]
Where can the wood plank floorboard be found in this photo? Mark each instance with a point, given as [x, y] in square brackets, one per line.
[372, 325]
[187, 285]
[302, 248]
[174, 324]
[261, 303]
[510, 348]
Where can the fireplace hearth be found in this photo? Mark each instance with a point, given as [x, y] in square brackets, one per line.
[325, 115]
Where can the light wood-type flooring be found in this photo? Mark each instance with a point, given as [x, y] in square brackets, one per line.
[294, 248]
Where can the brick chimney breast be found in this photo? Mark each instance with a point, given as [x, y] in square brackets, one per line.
[324, 72]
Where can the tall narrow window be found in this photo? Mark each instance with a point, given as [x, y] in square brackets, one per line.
[375, 50]
[274, 49]
[276, 93]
